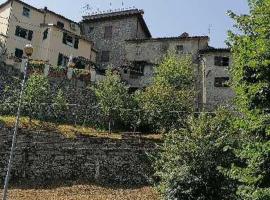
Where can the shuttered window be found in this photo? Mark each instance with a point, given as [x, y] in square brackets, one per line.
[24, 33]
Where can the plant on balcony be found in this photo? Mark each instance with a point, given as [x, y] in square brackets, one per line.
[82, 74]
[36, 67]
[57, 71]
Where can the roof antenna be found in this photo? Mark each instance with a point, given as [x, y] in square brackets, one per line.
[209, 29]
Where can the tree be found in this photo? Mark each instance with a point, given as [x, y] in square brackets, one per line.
[172, 91]
[59, 105]
[112, 96]
[36, 93]
[251, 82]
[188, 162]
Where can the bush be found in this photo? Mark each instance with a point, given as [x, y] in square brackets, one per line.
[188, 163]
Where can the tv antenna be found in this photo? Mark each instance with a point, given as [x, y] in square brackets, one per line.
[210, 29]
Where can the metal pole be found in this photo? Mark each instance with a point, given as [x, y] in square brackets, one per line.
[15, 134]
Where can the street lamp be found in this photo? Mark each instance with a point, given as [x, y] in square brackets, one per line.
[28, 51]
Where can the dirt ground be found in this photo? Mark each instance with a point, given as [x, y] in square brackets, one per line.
[83, 192]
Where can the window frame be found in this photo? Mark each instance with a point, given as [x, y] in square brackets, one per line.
[28, 34]
[60, 24]
[26, 12]
[178, 49]
[221, 82]
[108, 32]
[18, 50]
[105, 56]
[222, 61]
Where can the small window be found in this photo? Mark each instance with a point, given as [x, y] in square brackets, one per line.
[179, 49]
[105, 56]
[60, 25]
[24, 33]
[72, 26]
[222, 61]
[62, 60]
[222, 81]
[68, 39]
[45, 34]
[18, 53]
[90, 30]
[108, 32]
[26, 12]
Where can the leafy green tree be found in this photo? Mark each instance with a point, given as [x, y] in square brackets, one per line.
[59, 106]
[172, 91]
[36, 93]
[189, 160]
[251, 82]
[112, 96]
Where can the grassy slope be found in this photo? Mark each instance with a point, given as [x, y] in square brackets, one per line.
[69, 131]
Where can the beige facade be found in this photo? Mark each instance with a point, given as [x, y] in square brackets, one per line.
[215, 65]
[147, 53]
[54, 37]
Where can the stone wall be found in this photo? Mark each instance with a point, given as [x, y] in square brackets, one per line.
[42, 158]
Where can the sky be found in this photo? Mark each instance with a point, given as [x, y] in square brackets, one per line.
[164, 17]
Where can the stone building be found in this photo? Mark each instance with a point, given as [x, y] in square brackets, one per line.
[124, 41]
[109, 32]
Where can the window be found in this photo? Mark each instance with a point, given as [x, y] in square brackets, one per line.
[24, 33]
[60, 25]
[71, 40]
[45, 34]
[90, 30]
[18, 53]
[222, 61]
[108, 32]
[26, 12]
[179, 49]
[72, 26]
[62, 60]
[105, 56]
[222, 81]
[137, 70]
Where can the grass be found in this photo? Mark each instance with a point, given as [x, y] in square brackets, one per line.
[84, 192]
[67, 130]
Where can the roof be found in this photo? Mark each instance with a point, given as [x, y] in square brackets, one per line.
[169, 39]
[119, 15]
[215, 50]
[37, 9]
[61, 16]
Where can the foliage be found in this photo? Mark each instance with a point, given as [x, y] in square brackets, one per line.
[59, 106]
[189, 159]
[112, 96]
[36, 93]
[172, 90]
[251, 82]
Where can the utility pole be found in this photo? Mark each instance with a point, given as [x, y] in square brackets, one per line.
[28, 51]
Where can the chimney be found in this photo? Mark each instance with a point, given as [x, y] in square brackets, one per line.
[45, 13]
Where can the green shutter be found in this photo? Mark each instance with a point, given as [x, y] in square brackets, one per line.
[60, 59]
[76, 44]
[30, 35]
[65, 38]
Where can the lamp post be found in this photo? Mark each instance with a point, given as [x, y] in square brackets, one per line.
[28, 51]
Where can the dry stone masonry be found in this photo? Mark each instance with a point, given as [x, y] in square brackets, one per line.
[43, 158]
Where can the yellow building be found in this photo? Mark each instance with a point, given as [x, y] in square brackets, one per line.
[54, 37]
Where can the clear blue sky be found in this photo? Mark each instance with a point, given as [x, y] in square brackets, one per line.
[164, 17]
